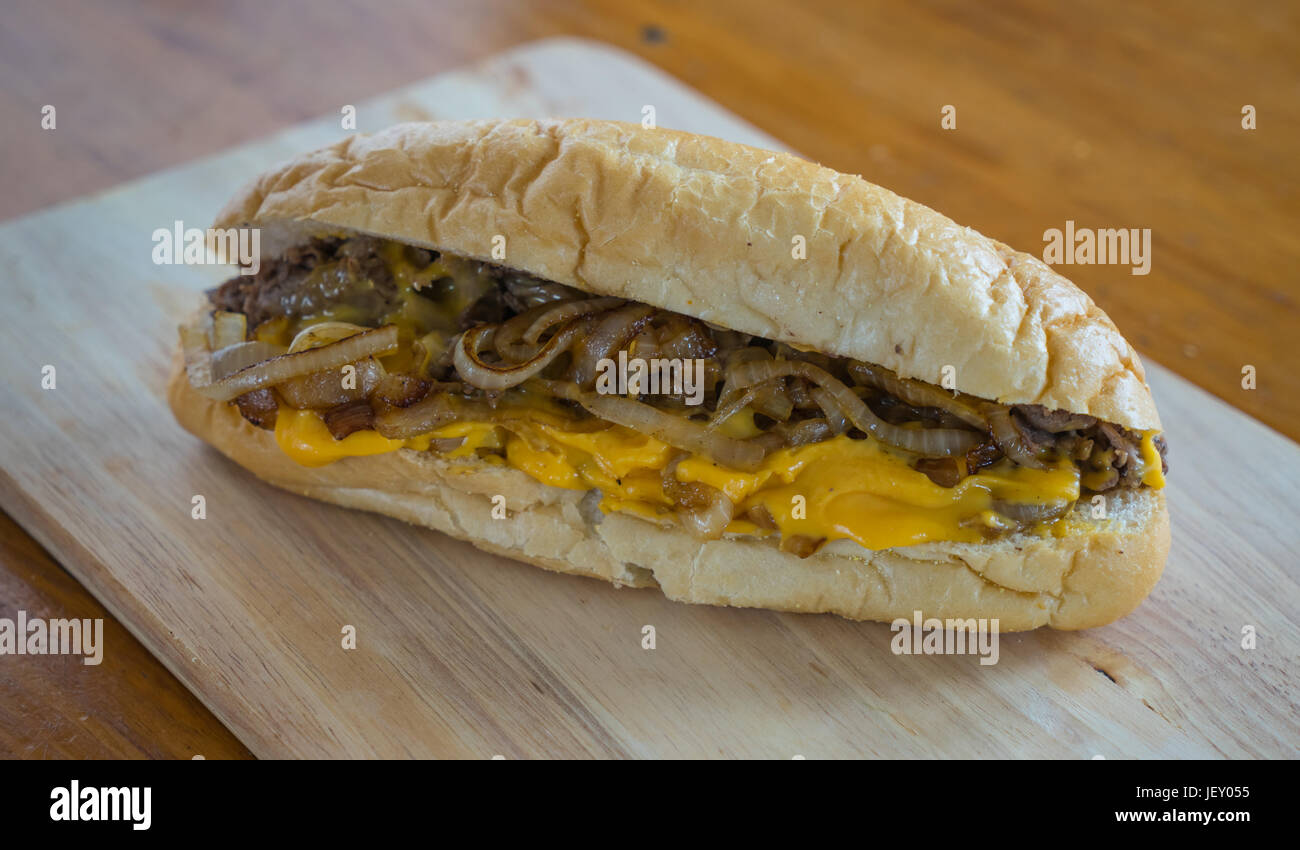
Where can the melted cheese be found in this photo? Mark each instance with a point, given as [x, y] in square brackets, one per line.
[1153, 472]
[837, 489]
[302, 435]
[862, 491]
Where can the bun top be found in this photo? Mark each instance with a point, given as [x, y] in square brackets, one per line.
[753, 240]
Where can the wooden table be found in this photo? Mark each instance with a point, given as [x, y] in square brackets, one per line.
[1100, 113]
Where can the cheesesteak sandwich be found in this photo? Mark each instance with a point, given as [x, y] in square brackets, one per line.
[671, 361]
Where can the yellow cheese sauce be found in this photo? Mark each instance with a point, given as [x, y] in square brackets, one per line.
[837, 489]
[1153, 472]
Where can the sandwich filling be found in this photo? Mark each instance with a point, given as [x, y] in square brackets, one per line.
[352, 346]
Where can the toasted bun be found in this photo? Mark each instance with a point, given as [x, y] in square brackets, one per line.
[1075, 582]
[709, 228]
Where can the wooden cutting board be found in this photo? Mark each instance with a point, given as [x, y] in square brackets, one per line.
[461, 654]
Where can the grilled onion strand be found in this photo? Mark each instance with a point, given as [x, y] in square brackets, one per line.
[928, 442]
[276, 370]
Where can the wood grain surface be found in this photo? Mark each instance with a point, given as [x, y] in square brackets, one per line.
[127, 706]
[1096, 111]
[466, 655]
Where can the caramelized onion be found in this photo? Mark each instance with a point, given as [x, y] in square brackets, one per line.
[930, 442]
[323, 333]
[799, 396]
[285, 366]
[646, 344]
[807, 431]
[228, 329]
[771, 440]
[944, 471]
[685, 337]
[197, 349]
[259, 407]
[674, 429]
[771, 398]
[774, 401]
[835, 418]
[439, 409]
[402, 390]
[704, 509]
[741, 356]
[786, 351]
[918, 393]
[531, 292]
[611, 333]
[1029, 513]
[565, 312]
[241, 355]
[1008, 438]
[326, 388]
[712, 519]
[507, 339]
[518, 338]
[759, 515]
[768, 398]
[487, 376]
[348, 418]
[737, 402]
[442, 408]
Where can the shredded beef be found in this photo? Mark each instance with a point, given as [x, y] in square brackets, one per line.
[1111, 450]
[1035, 439]
[310, 279]
[1053, 421]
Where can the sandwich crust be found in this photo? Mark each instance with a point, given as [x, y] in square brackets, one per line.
[1075, 582]
[712, 229]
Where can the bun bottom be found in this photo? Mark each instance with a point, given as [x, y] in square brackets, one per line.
[1075, 582]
